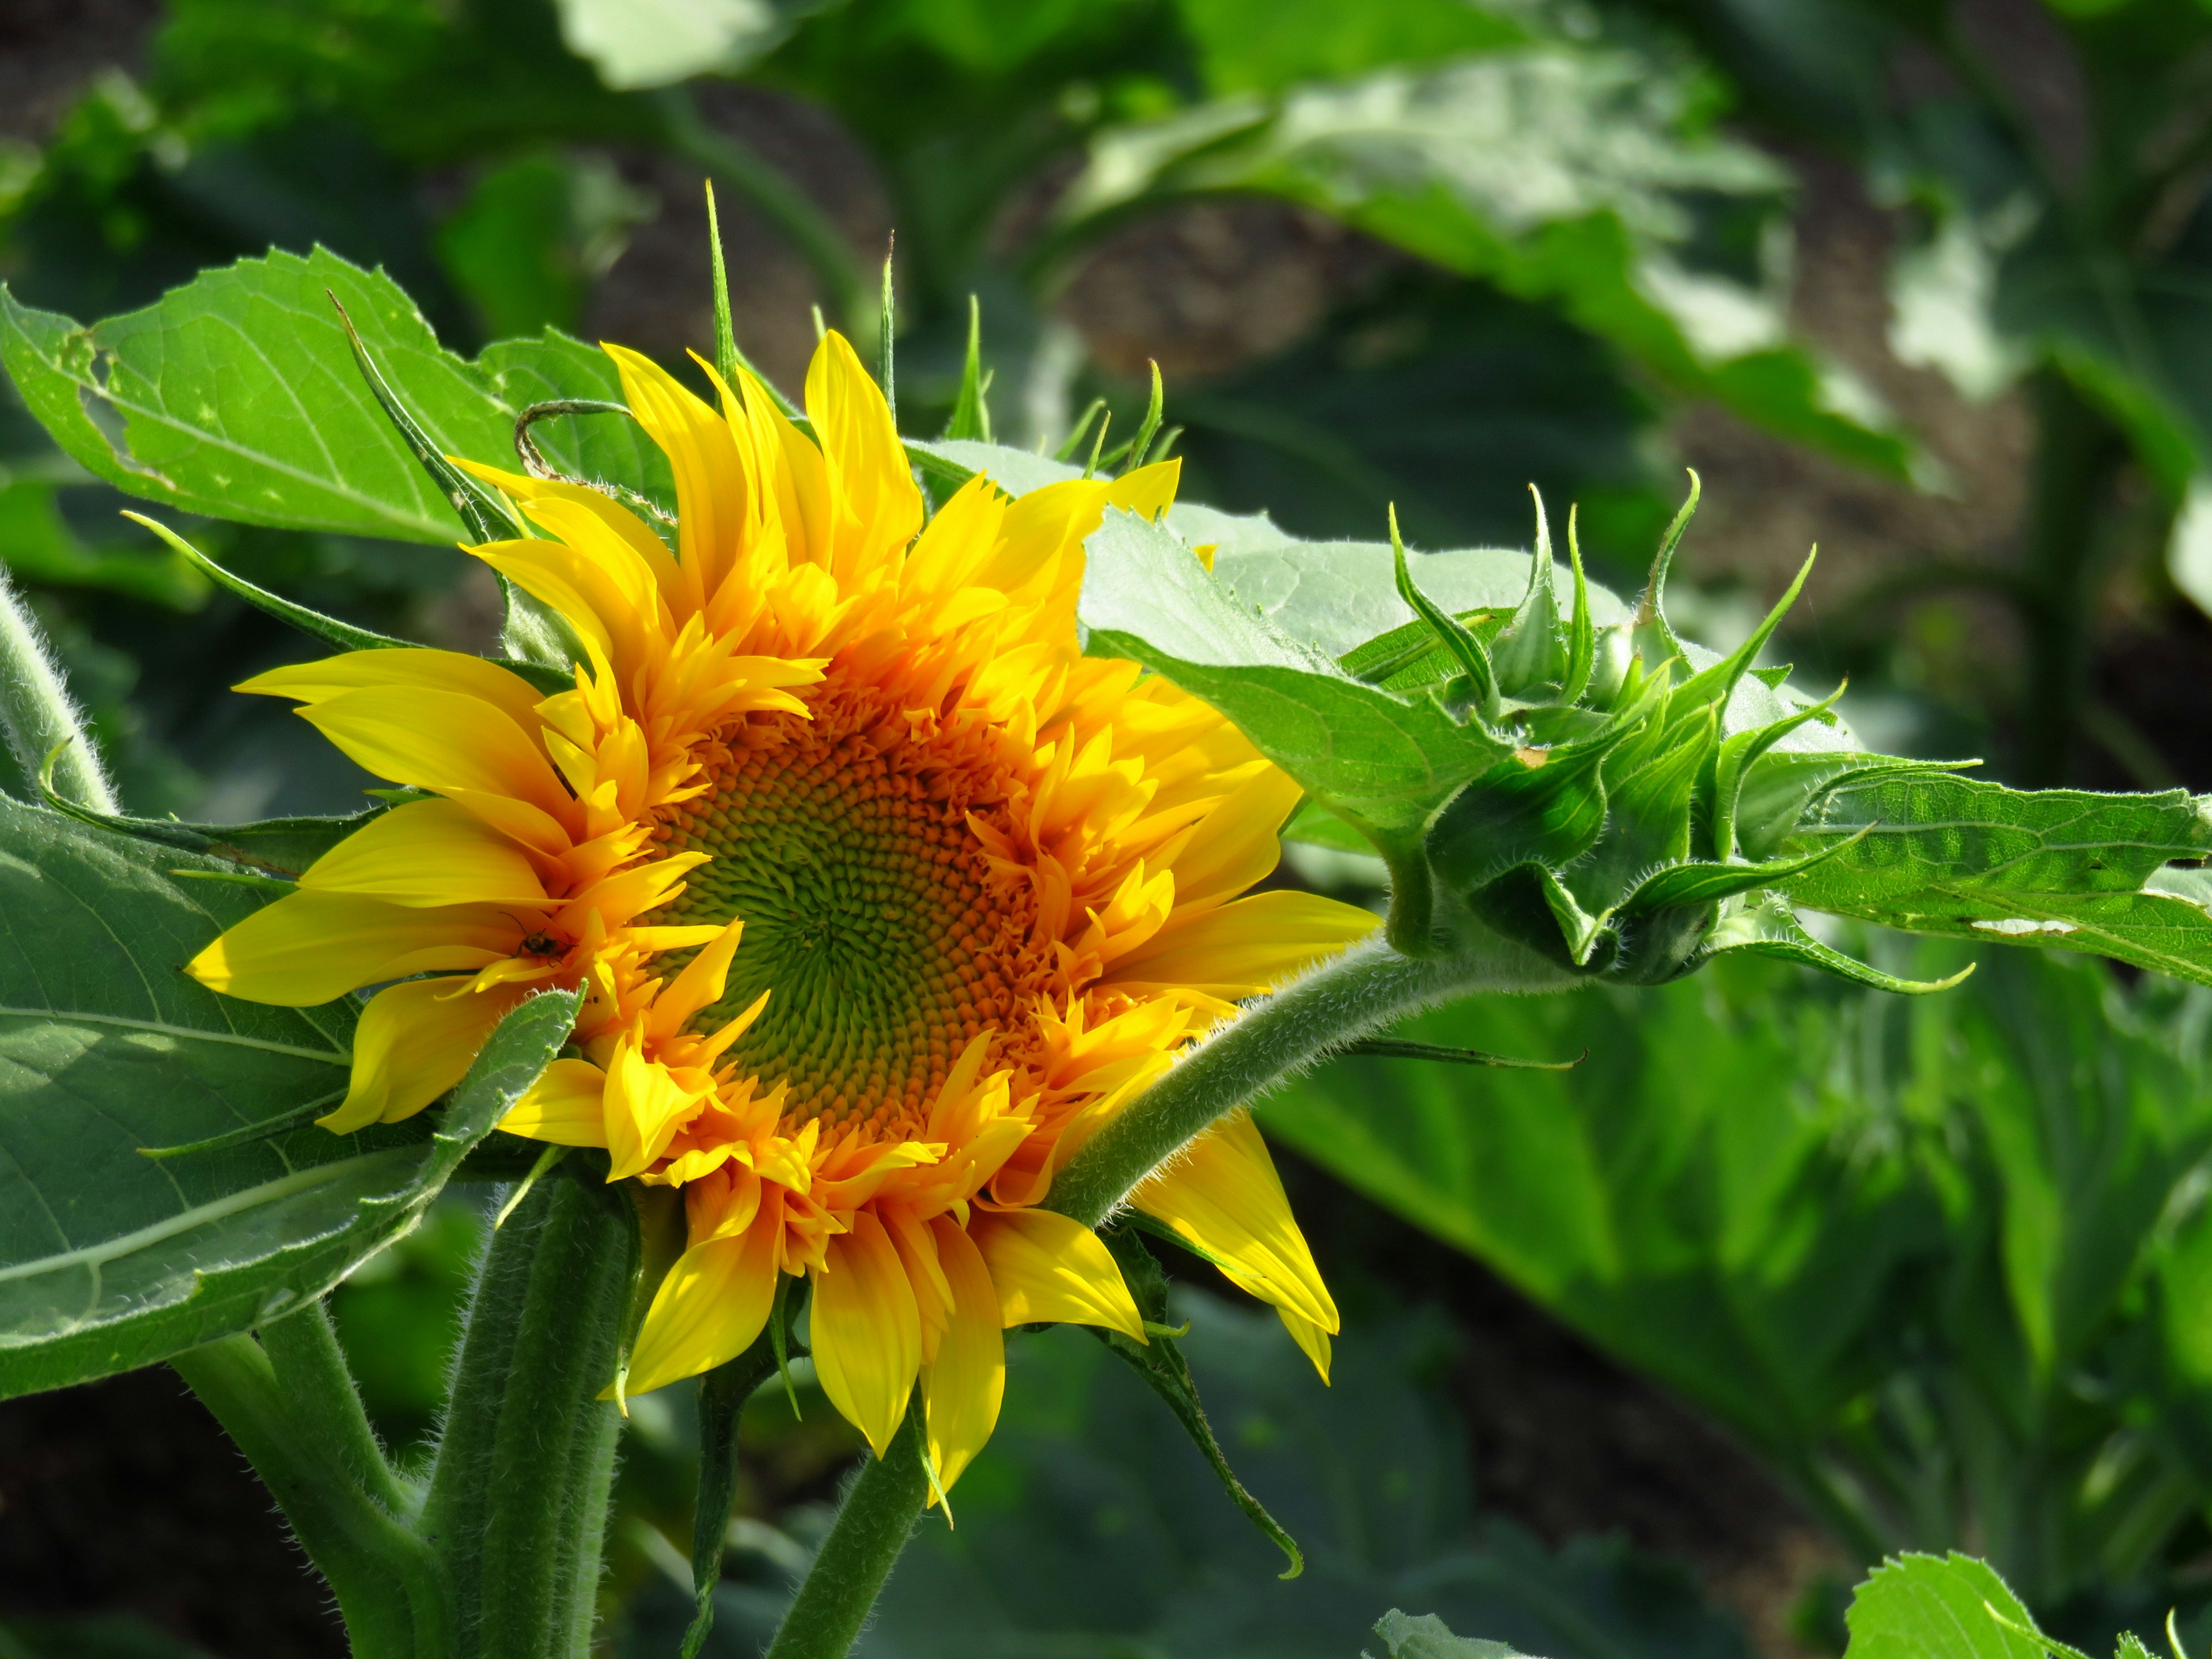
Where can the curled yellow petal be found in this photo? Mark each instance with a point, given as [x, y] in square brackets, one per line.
[428, 852]
[1049, 1269]
[1223, 1195]
[415, 1041]
[308, 948]
[962, 1387]
[1245, 947]
[866, 1330]
[567, 1106]
[710, 1309]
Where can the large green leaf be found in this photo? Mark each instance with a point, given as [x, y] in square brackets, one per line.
[110, 1260]
[1919, 1252]
[1928, 1607]
[1561, 173]
[1939, 853]
[238, 396]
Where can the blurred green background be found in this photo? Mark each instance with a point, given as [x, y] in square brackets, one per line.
[1650, 1357]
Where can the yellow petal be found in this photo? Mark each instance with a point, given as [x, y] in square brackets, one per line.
[710, 494]
[420, 667]
[567, 1106]
[1245, 947]
[1235, 845]
[308, 948]
[1049, 1269]
[427, 852]
[645, 1107]
[415, 1041]
[962, 1387]
[439, 740]
[873, 495]
[709, 1309]
[1225, 1196]
[1149, 490]
[866, 1330]
[1310, 1337]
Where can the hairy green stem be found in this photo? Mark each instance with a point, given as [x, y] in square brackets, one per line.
[873, 1521]
[392, 1589]
[811, 233]
[38, 716]
[519, 1495]
[310, 1366]
[1345, 999]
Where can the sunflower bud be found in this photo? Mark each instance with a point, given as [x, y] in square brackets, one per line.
[1629, 811]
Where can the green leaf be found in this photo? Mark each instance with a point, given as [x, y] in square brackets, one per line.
[1161, 1364]
[280, 847]
[1404, 1637]
[110, 1261]
[1386, 760]
[238, 396]
[1439, 162]
[1931, 1607]
[2060, 868]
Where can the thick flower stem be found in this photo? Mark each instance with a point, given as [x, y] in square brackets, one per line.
[391, 1589]
[872, 1524]
[519, 1496]
[1358, 993]
[38, 716]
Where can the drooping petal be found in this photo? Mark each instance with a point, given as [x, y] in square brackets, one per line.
[439, 740]
[1245, 947]
[419, 667]
[1049, 1269]
[710, 1308]
[567, 1105]
[416, 1041]
[866, 1330]
[428, 852]
[962, 1387]
[646, 1105]
[308, 948]
[1223, 1195]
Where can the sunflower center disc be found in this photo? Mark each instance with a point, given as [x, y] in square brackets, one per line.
[873, 915]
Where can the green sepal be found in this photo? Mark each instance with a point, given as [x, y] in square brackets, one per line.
[1161, 1365]
[1733, 764]
[1474, 658]
[971, 415]
[283, 846]
[783, 1319]
[1770, 928]
[486, 516]
[1528, 905]
[1071, 445]
[886, 344]
[1399, 1049]
[1649, 622]
[1715, 685]
[1701, 882]
[1530, 653]
[723, 1393]
[1516, 813]
[329, 629]
[1130, 454]
[1582, 634]
[540, 643]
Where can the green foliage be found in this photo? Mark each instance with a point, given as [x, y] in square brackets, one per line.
[1941, 1262]
[1090, 1523]
[1427, 1637]
[238, 396]
[110, 1260]
[1928, 1606]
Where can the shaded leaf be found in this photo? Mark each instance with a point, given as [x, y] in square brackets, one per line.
[110, 1261]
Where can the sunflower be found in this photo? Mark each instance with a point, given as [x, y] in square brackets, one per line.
[882, 897]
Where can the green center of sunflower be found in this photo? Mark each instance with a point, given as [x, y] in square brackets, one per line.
[872, 915]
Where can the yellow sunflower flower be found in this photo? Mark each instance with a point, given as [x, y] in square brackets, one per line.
[884, 896]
